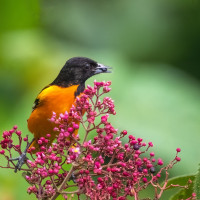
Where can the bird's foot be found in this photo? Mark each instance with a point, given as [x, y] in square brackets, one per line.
[21, 160]
[73, 178]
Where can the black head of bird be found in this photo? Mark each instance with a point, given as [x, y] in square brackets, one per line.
[77, 70]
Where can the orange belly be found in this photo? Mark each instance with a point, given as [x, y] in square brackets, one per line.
[52, 99]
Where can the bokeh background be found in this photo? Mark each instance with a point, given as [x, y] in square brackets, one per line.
[153, 47]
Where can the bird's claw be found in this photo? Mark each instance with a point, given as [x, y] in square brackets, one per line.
[73, 178]
[21, 160]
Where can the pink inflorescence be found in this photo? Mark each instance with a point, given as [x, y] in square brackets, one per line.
[102, 167]
[7, 142]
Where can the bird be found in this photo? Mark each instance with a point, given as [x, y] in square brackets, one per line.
[60, 95]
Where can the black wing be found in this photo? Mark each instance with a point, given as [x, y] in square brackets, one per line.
[37, 100]
[36, 104]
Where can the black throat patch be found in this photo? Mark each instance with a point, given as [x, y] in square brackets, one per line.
[80, 89]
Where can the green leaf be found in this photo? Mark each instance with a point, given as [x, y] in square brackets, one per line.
[146, 199]
[182, 180]
[60, 197]
[197, 184]
[183, 194]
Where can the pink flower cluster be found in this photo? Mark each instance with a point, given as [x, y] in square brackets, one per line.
[120, 169]
[102, 167]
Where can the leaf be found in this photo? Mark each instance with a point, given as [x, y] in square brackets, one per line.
[70, 197]
[182, 180]
[60, 197]
[197, 184]
[182, 194]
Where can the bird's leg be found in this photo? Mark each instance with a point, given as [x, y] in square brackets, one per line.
[22, 158]
[73, 177]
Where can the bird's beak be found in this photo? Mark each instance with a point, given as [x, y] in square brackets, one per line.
[102, 69]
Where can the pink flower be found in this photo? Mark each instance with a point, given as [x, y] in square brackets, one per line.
[99, 163]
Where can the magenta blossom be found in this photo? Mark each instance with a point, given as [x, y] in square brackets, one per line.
[100, 165]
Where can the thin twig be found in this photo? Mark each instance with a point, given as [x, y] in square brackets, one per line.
[59, 191]
[72, 192]
[14, 168]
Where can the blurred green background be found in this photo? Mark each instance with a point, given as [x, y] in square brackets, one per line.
[153, 47]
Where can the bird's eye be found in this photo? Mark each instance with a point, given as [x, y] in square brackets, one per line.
[87, 66]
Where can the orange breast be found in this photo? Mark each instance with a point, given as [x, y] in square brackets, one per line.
[52, 99]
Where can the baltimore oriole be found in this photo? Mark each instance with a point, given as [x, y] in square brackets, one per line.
[59, 96]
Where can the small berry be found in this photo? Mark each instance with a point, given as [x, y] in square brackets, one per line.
[2, 152]
[144, 144]
[158, 175]
[131, 137]
[140, 169]
[48, 182]
[178, 159]
[99, 179]
[144, 180]
[70, 129]
[124, 132]
[152, 170]
[150, 144]
[160, 162]
[194, 195]
[145, 171]
[18, 133]
[15, 127]
[152, 154]
[136, 146]
[32, 148]
[39, 142]
[145, 159]
[75, 126]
